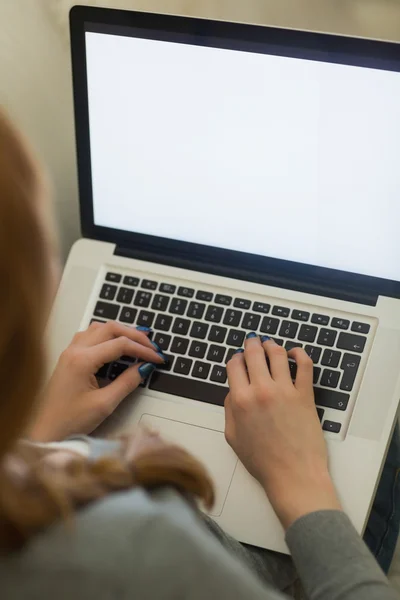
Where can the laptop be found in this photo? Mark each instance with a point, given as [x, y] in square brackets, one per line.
[238, 178]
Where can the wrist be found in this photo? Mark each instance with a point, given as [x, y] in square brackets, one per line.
[298, 497]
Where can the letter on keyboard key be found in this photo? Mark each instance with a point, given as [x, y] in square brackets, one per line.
[201, 370]
[106, 310]
[218, 374]
[235, 338]
[199, 331]
[188, 388]
[163, 341]
[183, 365]
[329, 398]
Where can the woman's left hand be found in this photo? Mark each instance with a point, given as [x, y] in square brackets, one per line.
[73, 402]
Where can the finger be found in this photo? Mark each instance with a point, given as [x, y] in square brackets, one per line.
[256, 363]
[122, 346]
[305, 370]
[112, 395]
[229, 420]
[237, 373]
[278, 360]
[99, 332]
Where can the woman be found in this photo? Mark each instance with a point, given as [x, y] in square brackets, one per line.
[135, 530]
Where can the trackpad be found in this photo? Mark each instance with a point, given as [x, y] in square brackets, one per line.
[207, 445]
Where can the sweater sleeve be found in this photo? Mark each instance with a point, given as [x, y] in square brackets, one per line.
[332, 560]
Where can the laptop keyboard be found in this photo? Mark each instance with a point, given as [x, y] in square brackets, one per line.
[199, 331]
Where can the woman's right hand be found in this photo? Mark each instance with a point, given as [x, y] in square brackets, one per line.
[272, 425]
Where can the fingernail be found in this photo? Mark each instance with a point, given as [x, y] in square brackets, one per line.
[146, 370]
[144, 329]
[251, 335]
[163, 357]
[239, 351]
[265, 338]
[156, 347]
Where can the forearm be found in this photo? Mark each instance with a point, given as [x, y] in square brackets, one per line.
[332, 560]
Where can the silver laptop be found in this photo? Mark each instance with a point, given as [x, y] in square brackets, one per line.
[236, 178]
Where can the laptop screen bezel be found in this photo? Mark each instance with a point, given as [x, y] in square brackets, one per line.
[292, 43]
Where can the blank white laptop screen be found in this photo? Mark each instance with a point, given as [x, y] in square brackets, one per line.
[279, 157]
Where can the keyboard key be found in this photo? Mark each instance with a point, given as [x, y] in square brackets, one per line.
[216, 353]
[204, 296]
[293, 369]
[108, 292]
[129, 359]
[143, 299]
[128, 314]
[232, 318]
[281, 311]
[168, 365]
[180, 345]
[114, 277]
[300, 315]
[307, 333]
[229, 355]
[288, 329]
[269, 325]
[102, 373]
[241, 303]
[163, 323]
[178, 306]
[320, 413]
[313, 352]
[261, 307]
[222, 299]
[330, 378]
[147, 284]
[125, 295]
[163, 341]
[340, 323]
[106, 310]
[201, 370]
[218, 374]
[167, 288]
[331, 358]
[331, 398]
[160, 302]
[131, 281]
[146, 318]
[235, 338]
[214, 314]
[217, 334]
[181, 326]
[316, 374]
[251, 321]
[116, 370]
[320, 319]
[199, 331]
[291, 345]
[183, 365]
[327, 337]
[185, 292]
[360, 327]
[331, 426]
[196, 310]
[279, 341]
[187, 388]
[349, 364]
[351, 342]
[96, 321]
[198, 349]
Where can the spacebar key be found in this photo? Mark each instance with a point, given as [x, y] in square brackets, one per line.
[188, 388]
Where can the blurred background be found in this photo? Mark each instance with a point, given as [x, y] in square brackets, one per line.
[35, 71]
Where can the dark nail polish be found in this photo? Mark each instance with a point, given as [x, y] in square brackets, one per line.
[146, 370]
[239, 351]
[164, 358]
[156, 347]
[265, 338]
[251, 335]
[144, 329]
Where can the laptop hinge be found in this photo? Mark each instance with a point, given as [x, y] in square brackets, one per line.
[346, 293]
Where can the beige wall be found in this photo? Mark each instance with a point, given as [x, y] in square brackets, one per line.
[35, 75]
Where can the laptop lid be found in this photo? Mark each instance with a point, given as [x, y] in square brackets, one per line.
[252, 152]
